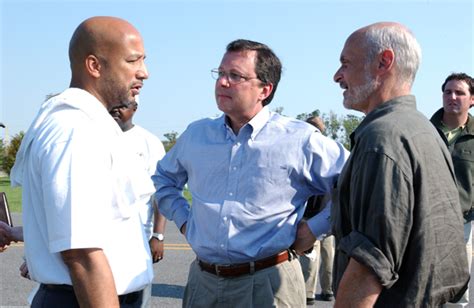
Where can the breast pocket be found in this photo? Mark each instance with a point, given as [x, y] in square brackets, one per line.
[276, 175]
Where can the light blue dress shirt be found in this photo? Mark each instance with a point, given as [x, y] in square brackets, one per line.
[248, 191]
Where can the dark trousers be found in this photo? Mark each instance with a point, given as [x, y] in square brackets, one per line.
[60, 296]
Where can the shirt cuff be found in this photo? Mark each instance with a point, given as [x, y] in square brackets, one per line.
[181, 216]
[320, 224]
[359, 247]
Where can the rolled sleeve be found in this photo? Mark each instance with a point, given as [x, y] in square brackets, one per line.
[380, 217]
[360, 248]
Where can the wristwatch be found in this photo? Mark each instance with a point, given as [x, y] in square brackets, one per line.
[159, 236]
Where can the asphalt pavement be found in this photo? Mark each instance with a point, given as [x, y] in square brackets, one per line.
[168, 285]
[167, 289]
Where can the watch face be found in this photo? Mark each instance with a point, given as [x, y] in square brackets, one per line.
[159, 236]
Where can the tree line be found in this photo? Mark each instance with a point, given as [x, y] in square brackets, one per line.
[338, 127]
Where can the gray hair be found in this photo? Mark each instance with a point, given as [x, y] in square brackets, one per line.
[403, 44]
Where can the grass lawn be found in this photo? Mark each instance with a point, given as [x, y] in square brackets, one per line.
[13, 194]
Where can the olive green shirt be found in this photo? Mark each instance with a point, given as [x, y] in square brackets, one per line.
[461, 147]
[398, 209]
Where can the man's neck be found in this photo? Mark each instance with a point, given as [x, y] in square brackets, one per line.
[387, 92]
[236, 125]
[453, 121]
[236, 122]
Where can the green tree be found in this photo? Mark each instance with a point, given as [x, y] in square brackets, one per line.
[171, 140]
[338, 127]
[304, 116]
[349, 124]
[2, 153]
[10, 152]
[333, 125]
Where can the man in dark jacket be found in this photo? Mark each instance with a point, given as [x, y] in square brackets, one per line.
[456, 127]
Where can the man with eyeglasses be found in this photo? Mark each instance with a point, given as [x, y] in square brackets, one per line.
[250, 173]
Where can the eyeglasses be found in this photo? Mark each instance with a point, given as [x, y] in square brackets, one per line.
[232, 78]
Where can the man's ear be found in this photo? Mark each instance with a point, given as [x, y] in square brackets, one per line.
[93, 66]
[266, 91]
[386, 60]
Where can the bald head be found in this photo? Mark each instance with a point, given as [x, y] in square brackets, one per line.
[378, 62]
[381, 36]
[98, 36]
[107, 60]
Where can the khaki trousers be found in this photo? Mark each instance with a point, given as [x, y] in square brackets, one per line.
[281, 285]
[324, 251]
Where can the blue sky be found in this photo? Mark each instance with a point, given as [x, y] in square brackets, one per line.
[184, 40]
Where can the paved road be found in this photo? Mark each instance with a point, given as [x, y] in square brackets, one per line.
[168, 285]
[167, 289]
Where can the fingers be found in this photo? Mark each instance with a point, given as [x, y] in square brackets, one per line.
[157, 257]
[157, 250]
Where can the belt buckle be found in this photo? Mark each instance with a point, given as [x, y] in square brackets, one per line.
[216, 267]
[252, 268]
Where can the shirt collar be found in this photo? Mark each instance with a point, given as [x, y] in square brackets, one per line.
[259, 121]
[445, 128]
[256, 123]
[407, 102]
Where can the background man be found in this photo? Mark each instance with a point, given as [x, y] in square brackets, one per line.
[147, 150]
[398, 224]
[456, 127]
[78, 188]
[322, 250]
[250, 173]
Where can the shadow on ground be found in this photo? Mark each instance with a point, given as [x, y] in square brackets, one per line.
[167, 290]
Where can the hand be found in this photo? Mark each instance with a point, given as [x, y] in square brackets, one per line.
[304, 238]
[9, 234]
[24, 271]
[157, 249]
[6, 236]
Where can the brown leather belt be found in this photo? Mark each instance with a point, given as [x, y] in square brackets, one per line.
[234, 270]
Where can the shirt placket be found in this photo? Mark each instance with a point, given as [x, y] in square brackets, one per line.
[231, 193]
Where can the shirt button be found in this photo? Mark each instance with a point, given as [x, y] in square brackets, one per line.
[231, 194]
[225, 218]
[222, 245]
[234, 168]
